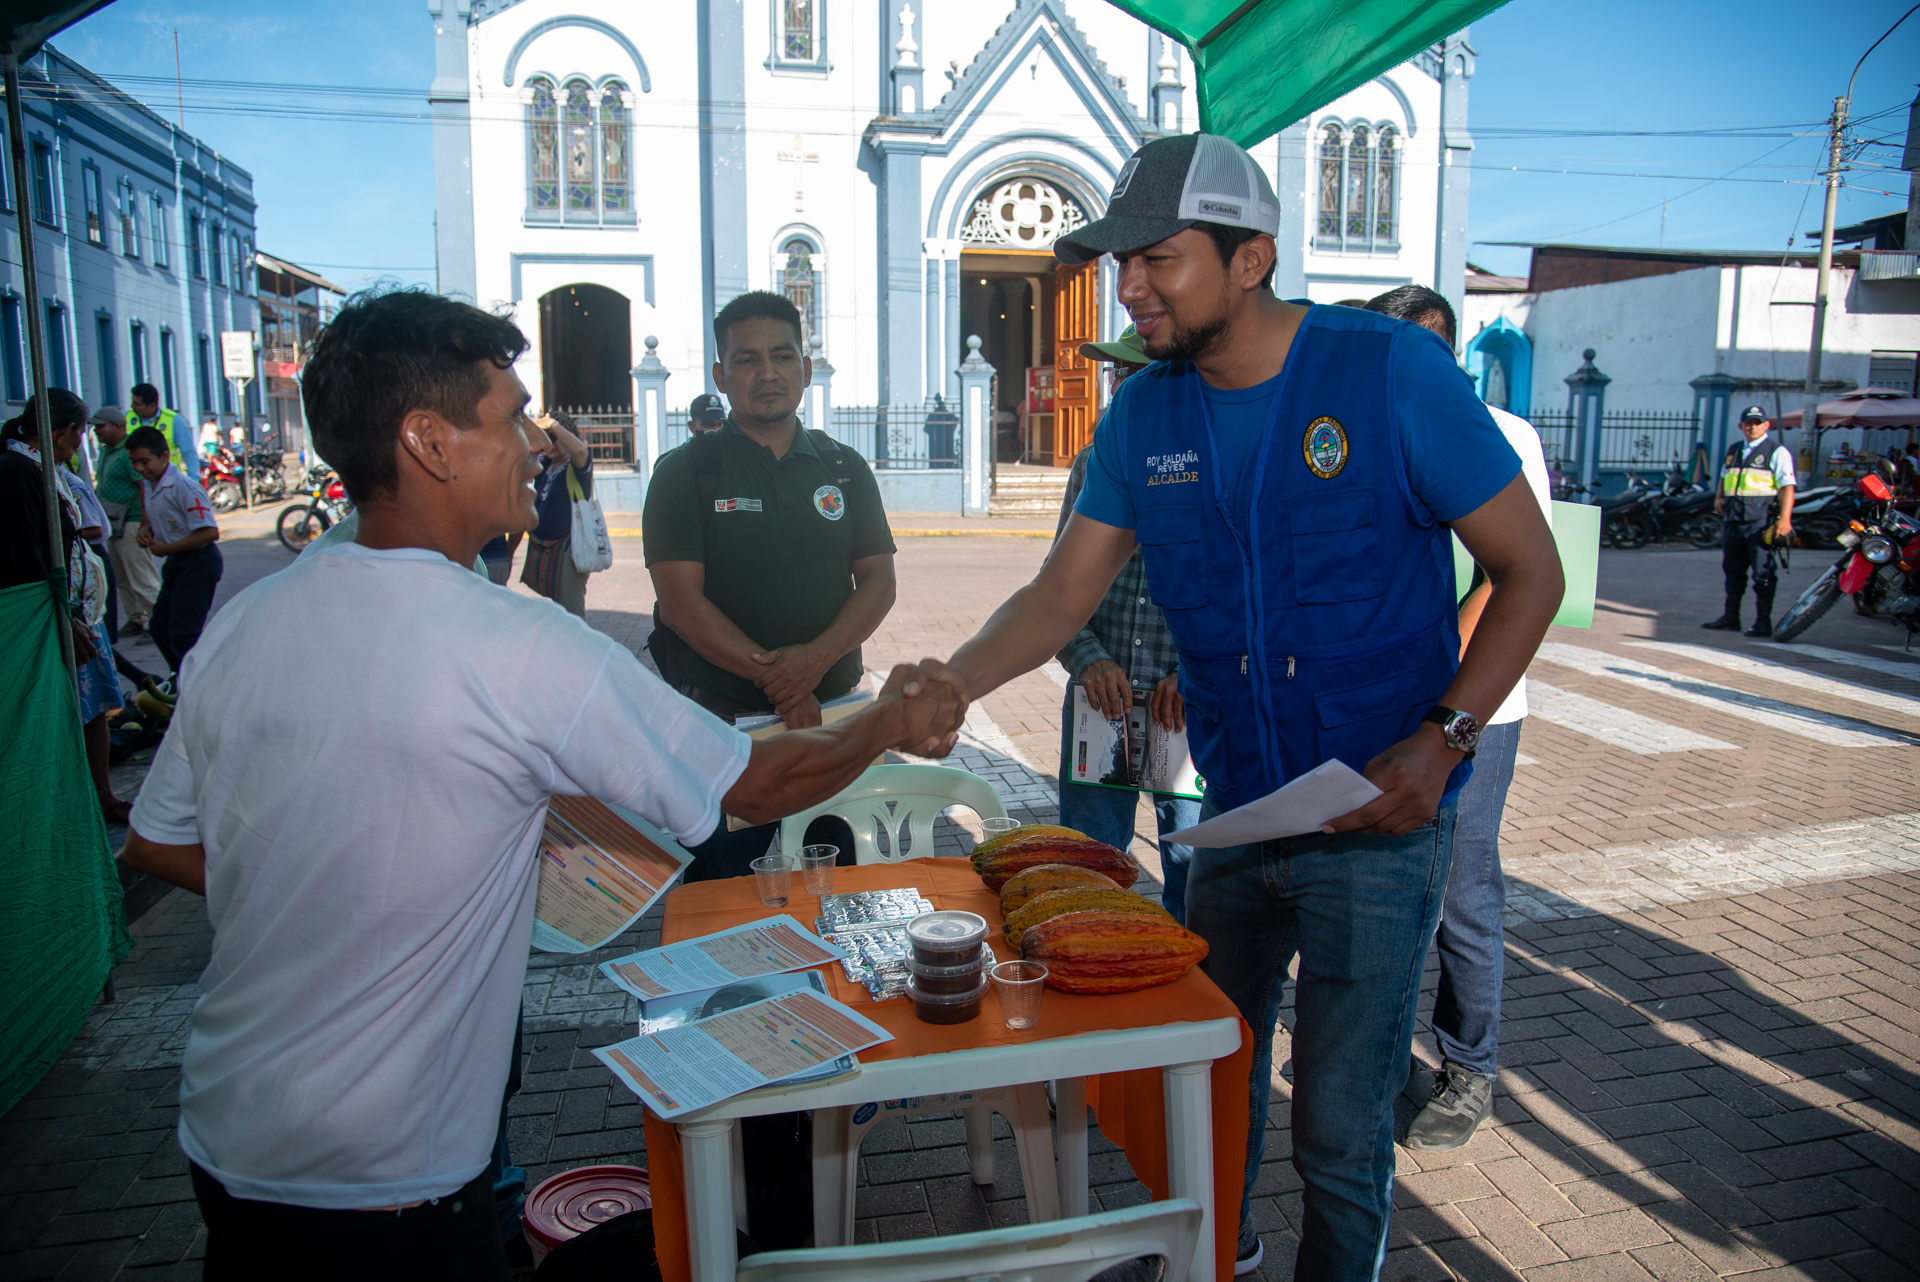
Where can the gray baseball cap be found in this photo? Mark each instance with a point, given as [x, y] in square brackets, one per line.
[1169, 185]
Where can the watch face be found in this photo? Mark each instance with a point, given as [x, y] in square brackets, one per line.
[1463, 732]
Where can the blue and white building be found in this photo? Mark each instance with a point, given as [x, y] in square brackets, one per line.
[143, 239]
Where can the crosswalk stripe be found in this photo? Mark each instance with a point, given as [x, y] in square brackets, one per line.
[1613, 725]
[1786, 674]
[1900, 649]
[1908, 671]
[1823, 727]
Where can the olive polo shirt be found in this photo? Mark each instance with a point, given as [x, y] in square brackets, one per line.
[778, 547]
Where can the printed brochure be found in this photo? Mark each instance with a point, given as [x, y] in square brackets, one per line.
[601, 867]
[662, 1013]
[758, 948]
[1131, 752]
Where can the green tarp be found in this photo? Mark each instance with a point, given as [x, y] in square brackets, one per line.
[1576, 534]
[1263, 64]
[62, 921]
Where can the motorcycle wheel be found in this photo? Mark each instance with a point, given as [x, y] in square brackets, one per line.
[300, 525]
[1813, 603]
[1626, 533]
[224, 495]
[1704, 531]
[1821, 533]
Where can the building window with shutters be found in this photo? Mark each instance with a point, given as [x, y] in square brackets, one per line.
[91, 197]
[169, 387]
[59, 373]
[799, 36]
[137, 351]
[13, 330]
[1358, 189]
[203, 372]
[196, 263]
[103, 336]
[40, 161]
[129, 204]
[162, 231]
[216, 255]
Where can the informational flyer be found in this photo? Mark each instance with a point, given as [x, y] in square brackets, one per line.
[712, 961]
[1131, 752]
[662, 1013]
[681, 1069]
[601, 867]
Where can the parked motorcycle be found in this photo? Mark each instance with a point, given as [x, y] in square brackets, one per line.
[1821, 514]
[1626, 520]
[302, 523]
[1880, 568]
[266, 476]
[1685, 510]
[220, 478]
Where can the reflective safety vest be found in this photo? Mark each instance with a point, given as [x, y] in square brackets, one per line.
[1320, 622]
[1747, 481]
[165, 421]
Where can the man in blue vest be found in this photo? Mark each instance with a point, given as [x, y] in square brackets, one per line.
[1292, 472]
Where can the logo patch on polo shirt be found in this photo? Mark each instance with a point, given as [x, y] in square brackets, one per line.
[1325, 447]
[828, 502]
[736, 505]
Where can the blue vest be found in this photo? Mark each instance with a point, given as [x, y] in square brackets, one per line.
[1324, 623]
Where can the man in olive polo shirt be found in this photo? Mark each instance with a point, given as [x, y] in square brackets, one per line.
[768, 545]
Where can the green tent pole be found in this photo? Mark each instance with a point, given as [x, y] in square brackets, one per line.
[36, 352]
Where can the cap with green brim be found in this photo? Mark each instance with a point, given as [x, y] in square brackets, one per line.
[1169, 185]
[1129, 349]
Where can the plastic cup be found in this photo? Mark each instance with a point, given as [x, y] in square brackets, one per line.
[774, 873]
[991, 828]
[1019, 984]
[816, 866]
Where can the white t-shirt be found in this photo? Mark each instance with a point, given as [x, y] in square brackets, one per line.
[370, 856]
[1533, 465]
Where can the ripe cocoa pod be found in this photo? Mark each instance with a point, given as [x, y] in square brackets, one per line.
[1103, 951]
[1076, 899]
[1042, 878]
[991, 844]
[1009, 861]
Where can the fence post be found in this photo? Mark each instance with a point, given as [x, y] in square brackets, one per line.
[820, 391]
[1712, 402]
[1586, 402]
[650, 410]
[976, 418]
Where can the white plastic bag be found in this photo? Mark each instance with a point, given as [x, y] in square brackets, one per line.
[592, 546]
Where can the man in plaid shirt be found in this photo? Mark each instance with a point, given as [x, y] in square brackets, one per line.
[1130, 626]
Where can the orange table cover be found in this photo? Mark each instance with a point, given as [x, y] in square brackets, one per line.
[1130, 1106]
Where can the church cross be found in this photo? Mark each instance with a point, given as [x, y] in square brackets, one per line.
[799, 155]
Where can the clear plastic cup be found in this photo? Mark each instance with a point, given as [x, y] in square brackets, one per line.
[991, 828]
[816, 866]
[774, 873]
[1018, 984]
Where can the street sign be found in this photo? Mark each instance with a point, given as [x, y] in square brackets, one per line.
[236, 353]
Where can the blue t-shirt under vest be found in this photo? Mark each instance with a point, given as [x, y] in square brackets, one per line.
[1295, 542]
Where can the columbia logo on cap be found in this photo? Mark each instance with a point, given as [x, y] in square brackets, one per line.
[1221, 208]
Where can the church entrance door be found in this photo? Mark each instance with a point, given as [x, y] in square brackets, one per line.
[586, 350]
[1076, 380]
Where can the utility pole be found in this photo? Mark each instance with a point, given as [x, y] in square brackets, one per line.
[1810, 413]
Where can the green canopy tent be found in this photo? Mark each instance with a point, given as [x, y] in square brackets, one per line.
[1263, 64]
[62, 919]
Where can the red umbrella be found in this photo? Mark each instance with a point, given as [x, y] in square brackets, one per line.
[1871, 407]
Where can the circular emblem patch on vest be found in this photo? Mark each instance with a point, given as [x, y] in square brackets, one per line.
[1325, 447]
[828, 502]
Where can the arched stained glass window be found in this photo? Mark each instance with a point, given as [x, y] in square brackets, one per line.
[1332, 150]
[1386, 156]
[580, 149]
[1359, 162]
[796, 30]
[800, 282]
[615, 163]
[543, 148]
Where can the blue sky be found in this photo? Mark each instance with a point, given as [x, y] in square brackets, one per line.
[354, 199]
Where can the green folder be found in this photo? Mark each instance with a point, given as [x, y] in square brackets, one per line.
[1576, 532]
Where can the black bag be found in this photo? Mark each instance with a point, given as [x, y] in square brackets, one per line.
[621, 1248]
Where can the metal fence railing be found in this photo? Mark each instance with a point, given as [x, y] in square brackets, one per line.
[913, 437]
[1632, 439]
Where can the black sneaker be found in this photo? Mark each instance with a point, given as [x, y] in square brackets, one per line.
[1760, 628]
[1460, 1102]
[1725, 623]
[1251, 1251]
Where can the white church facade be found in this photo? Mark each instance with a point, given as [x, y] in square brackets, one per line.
[900, 169]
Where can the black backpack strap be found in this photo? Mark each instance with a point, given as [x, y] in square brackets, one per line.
[834, 455]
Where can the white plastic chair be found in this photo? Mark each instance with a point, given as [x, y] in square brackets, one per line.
[896, 800]
[837, 1133]
[1059, 1251]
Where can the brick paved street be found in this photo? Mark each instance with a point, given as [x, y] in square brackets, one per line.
[1712, 1018]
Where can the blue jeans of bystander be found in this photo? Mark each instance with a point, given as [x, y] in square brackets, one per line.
[1358, 910]
[1466, 1012]
[1106, 814]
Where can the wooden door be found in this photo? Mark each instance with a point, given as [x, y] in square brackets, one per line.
[1076, 391]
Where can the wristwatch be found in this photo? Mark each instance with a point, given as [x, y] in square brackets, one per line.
[1461, 730]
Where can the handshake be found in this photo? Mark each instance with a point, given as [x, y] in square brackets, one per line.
[921, 708]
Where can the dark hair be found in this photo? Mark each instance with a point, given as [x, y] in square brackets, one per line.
[1227, 241]
[387, 352]
[148, 440]
[1415, 303]
[146, 392]
[751, 306]
[67, 408]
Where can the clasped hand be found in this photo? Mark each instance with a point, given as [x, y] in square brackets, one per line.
[927, 699]
[789, 676]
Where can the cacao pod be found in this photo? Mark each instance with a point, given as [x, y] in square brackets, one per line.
[1009, 861]
[1103, 951]
[994, 843]
[1041, 878]
[1077, 899]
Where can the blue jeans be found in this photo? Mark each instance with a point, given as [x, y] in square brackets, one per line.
[1106, 814]
[1466, 1013]
[1359, 910]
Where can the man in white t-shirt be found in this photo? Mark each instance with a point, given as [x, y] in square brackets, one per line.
[370, 875]
[1466, 1011]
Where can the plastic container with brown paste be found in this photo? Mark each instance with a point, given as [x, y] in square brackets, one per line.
[949, 938]
[946, 1008]
[947, 981]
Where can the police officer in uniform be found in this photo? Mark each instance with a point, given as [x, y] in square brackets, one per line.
[1292, 472]
[145, 411]
[1756, 476]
